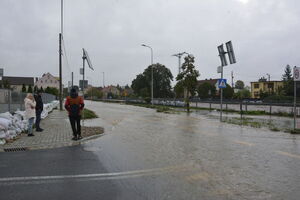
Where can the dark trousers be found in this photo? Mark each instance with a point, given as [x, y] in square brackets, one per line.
[75, 124]
[38, 119]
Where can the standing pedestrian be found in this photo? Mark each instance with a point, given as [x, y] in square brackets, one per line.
[74, 105]
[30, 112]
[38, 111]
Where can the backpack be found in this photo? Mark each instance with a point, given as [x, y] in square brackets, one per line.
[74, 106]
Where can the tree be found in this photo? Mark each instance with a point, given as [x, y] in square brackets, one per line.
[188, 78]
[179, 90]
[35, 89]
[24, 88]
[29, 89]
[42, 89]
[206, 90]
[242, 94]
[288, 83]
[6, 84]
[239, 84]
[94, 92]
[140, 86]
[162, 78]
[52, 90]
[228, 92]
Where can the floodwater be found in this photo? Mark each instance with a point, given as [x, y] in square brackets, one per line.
[193, 156]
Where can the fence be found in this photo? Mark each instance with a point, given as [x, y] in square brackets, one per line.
[12, 101]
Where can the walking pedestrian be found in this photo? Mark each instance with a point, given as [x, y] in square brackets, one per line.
[74, 105]
[38, 111]
[30, 112]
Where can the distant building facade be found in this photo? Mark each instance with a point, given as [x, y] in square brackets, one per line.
[110, 91]
[16, 83]
[47, 80]
[265, 86]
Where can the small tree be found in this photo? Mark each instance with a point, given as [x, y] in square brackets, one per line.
[94, 92]
[23, 88]
[6, 84]
[239, 84]
[228, 92]
[288, 83]
[206, 90]
[42, 89]
[188, 78]
[35, 89]
[29, 89]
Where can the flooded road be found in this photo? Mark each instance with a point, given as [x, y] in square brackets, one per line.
[181, 156]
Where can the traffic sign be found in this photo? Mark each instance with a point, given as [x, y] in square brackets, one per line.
[222, 83]
[296, 73]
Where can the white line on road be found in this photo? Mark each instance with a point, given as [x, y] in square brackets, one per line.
[288, 154]
[102, 176]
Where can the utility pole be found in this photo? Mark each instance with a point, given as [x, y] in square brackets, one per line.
[103, 79]
[83, 63]
[232, 83]
[178, 55]
[269, 77]
[60, 73]
[72, 79]
[60, 58]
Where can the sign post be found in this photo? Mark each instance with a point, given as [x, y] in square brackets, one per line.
[296, 78]
[221, 86]
[232, 60]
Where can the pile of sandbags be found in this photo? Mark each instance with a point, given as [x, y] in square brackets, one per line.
[13, 125]
[48, 107]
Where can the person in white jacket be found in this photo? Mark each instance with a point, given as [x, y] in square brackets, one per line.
[30, 112]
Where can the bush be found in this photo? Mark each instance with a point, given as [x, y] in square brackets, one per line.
[88, 114]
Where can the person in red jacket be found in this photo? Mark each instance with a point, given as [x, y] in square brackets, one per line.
[74, 105]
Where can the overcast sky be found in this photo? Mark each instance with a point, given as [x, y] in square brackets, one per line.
[265, 36]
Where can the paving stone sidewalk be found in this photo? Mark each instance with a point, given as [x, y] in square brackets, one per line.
[57, 133]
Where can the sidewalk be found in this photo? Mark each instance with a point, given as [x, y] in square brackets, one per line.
[57, 133]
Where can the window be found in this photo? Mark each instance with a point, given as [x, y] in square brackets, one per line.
[256, 85]
[271, 85]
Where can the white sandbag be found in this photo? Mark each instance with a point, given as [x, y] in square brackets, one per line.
[5, 122]
[2, 141]
[2, 135]
[6, 115]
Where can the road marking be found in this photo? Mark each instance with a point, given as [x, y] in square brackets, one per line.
[243, 143]
[204, 176]
[288, 154]
[100, 176]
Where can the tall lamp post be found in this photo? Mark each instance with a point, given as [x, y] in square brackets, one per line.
[151, 71]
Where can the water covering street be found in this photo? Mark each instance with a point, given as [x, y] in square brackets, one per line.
[149, 155]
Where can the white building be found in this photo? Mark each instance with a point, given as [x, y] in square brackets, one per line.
[47, 80]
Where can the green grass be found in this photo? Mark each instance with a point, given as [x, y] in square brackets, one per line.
[88, 114]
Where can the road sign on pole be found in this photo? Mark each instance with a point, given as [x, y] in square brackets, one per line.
[222, 83]
[296, 73]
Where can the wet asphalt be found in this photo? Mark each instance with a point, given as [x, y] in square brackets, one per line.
[149, 155]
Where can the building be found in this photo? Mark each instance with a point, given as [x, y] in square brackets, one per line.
[16, 83]
[47, 80]
[273, 87]
[210, 81]
[110, 91]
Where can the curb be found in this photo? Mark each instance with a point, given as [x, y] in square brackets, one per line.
[59, 145]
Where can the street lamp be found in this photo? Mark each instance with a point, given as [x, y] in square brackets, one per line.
[151, 71]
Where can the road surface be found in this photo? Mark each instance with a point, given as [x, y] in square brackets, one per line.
[148, 155]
